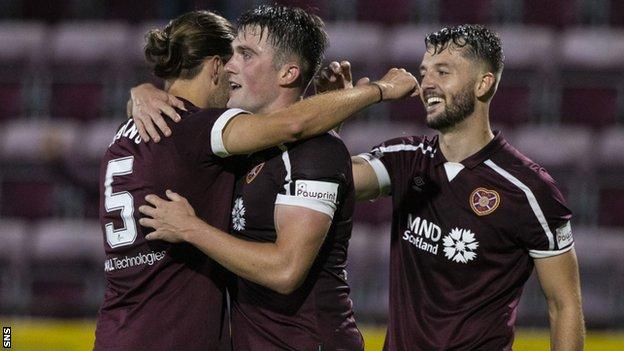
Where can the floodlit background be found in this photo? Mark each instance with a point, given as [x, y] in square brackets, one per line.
[66, 67]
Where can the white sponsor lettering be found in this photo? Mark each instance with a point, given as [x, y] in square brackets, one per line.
[313, 189]
[424, 228]
[116, 263]
[564, 235]
[420, 243]
[422, 234]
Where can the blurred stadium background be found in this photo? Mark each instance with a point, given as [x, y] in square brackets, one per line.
[66, 67]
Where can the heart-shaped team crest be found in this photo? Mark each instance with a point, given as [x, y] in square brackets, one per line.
[484, 201]
[253, 173]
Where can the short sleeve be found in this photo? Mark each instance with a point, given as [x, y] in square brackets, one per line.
[394, 159]
[216, 133]
[194, 135]
[318, 174]
[543, 221]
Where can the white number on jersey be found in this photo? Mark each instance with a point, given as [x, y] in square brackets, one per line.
[119, 201]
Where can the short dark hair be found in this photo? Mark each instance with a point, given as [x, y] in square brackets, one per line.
[291, 31]
[480, 42]
[178, 50]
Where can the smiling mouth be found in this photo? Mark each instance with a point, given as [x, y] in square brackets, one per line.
[234, 86]
[433, 102]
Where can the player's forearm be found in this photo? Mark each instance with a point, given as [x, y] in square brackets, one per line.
[321, 113]
[309, 117]
[567, 329]
[262, 263]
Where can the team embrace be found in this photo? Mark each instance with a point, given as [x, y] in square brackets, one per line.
[243, 195]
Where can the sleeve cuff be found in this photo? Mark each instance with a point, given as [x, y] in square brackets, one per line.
[216, 134]
[326, 207]
[549, 253]
[383, 177]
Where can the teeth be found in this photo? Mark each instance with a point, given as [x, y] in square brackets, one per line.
[434, 100]
[234, 85]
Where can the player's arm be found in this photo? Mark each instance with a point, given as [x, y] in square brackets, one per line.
[248, 133]
[281, 266]
[559, 278]
[364, 179]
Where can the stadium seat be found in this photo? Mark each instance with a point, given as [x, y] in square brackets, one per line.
[368, 262]
[565, 152]
[31, 139]
[610, 178]
[88, 65]
[20, 55]
[592, 78]
[556, 13]
[67, 268]
[523, 91]
[459, 11]
[389, 12]
[97, 135]
[13, 259]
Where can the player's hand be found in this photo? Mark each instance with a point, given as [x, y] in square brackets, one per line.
[146, 105]
[170, 219]
[335, 76]
[397, 84]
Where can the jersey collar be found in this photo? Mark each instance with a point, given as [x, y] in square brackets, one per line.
[477, 158]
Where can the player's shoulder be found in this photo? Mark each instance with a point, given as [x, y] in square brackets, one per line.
[527, 172]
[319, 151]
[198, 116]
[327, 143]
[418, 144]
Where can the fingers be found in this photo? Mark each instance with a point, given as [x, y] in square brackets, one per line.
[154, 200]
[345, 67]
[164, 107]
[148, 211]
[149, 222]
[174, 196]
[175, 102]
[142, 132]
[362, 81]
[149, 127]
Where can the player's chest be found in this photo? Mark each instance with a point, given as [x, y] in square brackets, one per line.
[255, 194]
[457, 222]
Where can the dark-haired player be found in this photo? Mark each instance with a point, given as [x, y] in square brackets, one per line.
[292, 211]
[471, 216]
[170, 297]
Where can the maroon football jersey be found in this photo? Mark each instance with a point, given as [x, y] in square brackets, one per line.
[464, 236]
[315, 174]
[162, 296]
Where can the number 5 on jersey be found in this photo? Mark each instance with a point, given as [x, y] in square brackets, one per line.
[119, 201]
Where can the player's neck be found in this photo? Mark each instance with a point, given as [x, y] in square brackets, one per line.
[466, 138]
[285, 98]
[191, 90]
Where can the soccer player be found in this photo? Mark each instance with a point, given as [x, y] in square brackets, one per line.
[292, 211]
[164, 296]
[472, 216]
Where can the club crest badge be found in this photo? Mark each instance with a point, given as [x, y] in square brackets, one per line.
[253, 173]
[484, 201]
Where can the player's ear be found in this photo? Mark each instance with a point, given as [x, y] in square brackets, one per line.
[289, 74]
[485, 87]
[216, 64]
